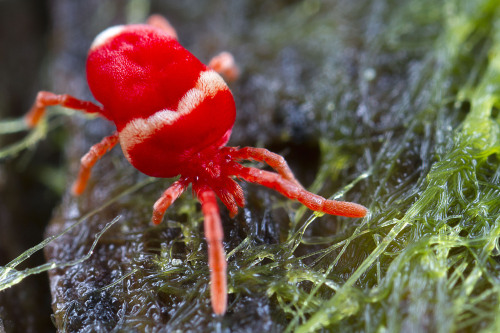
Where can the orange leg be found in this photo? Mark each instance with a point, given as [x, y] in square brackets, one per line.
[231, 195]
[224, 64]
[295, 192]
[167, 198]
[216, 255]
[89, 159]
[46, 98]
[228, 200]
[162, 23]
[275, 161]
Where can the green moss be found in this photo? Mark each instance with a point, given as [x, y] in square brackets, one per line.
[433, 266]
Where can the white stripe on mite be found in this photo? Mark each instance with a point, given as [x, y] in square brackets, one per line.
[209, 83]
[188, 103]
[106, 35]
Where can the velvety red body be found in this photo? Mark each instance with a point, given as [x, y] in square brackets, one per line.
[139, 70]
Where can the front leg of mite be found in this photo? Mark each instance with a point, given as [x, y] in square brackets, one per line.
[216, 256]
[275, 161]
[296, 192]
[46, 98]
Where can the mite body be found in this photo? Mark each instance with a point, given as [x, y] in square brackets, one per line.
[165, 103]
[174, 116]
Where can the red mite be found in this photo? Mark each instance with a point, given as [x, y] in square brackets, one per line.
[174, 116]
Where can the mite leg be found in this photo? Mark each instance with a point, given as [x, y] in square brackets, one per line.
[275, 161]
[228, 200]
[167, 198]
[46, 98]
[216, 255]
[231, 195]
[224, 64]
[89, 159]
[295, 192]
[162, 23]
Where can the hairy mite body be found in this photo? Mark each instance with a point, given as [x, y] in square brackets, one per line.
[156, 92]
[174, 116]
